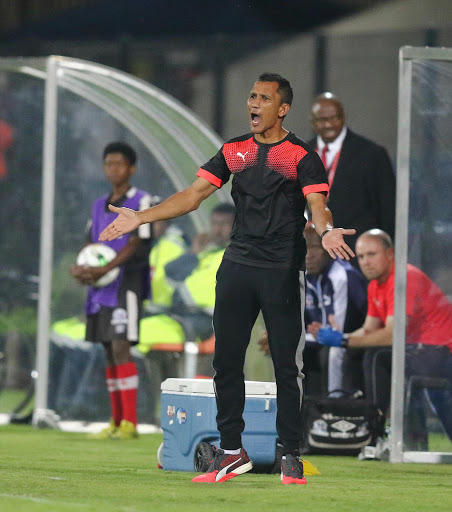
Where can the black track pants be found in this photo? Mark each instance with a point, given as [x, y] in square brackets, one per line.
[241, 292]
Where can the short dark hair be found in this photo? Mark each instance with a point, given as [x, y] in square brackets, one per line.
[284, 88]
[123, 148]
[227, 208]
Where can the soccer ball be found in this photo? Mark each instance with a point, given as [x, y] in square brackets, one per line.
[98, 255]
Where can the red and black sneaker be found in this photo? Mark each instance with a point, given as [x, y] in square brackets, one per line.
[225, 466]
[292, 469]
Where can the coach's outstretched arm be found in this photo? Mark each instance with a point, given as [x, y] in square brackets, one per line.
[332, 238]
[176, 205]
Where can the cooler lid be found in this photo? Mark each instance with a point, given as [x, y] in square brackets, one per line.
[205, 387]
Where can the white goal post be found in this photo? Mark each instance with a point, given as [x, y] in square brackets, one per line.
[424, 157]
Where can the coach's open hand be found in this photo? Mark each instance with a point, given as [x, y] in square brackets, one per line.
[334, 243]
[126, 221]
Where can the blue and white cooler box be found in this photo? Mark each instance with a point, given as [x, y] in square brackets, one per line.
[188, 411]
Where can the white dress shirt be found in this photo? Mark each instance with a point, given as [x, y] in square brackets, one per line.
[333, 147]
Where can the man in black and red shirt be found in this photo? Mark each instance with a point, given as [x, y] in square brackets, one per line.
[274, 175]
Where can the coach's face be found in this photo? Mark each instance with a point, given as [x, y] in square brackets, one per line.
[265, 108]
[327, 119]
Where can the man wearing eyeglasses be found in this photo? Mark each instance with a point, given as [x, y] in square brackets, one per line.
[360, 173]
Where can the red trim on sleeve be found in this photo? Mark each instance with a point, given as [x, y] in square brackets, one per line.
[211, 178]
[321, 187]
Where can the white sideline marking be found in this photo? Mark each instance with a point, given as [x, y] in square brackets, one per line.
[83, 427]
[43, 500]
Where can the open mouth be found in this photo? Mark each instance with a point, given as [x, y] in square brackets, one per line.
[255, 118]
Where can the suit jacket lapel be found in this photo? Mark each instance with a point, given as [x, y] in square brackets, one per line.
[346, 152]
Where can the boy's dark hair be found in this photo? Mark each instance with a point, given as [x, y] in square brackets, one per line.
[284, 87]
[224, 208]
[123, 148]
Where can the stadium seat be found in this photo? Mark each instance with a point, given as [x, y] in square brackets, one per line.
[419, 391]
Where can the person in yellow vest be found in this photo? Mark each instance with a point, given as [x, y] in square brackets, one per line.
[192, 276]
[157, 327]
[170, 243]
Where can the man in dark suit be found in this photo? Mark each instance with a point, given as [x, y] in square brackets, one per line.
[360, 174]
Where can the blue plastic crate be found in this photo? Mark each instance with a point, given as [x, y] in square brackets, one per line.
[188, 412]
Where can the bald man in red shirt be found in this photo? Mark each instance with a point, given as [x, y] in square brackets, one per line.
[428, 310]
[429, 324]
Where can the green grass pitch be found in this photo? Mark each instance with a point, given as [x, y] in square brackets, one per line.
[46, 470]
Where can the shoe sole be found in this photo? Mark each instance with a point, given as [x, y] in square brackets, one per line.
[239, 471]
[298, 481]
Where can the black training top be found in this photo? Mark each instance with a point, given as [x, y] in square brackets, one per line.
[270, 182]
